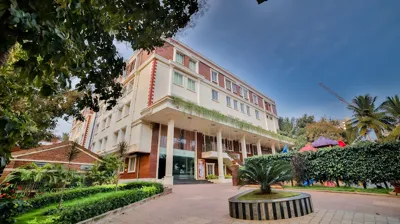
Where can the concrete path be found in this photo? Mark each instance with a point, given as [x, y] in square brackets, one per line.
[208, 204]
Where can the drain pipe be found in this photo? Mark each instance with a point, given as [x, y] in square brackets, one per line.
[137, 173]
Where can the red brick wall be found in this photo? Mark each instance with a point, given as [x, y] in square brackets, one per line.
[59, 154]
[167, 51]
[144, 55]
[204, 70]
[221, 80]
[260, 103]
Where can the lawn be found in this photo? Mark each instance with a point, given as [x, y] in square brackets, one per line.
[256, 195]
[39, 213]
[344, 189]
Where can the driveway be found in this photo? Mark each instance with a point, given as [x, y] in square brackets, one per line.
[208, 203]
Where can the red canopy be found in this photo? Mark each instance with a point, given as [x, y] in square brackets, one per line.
[308, 147]
[341, 144]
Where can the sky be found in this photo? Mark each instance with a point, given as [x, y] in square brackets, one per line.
[284, 48]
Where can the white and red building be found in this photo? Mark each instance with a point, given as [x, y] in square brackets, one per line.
[166, 141]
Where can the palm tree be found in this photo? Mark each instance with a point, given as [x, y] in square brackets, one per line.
[368, 117]
[122, 147]
[265, 174]
[70, 155]
[392, 107]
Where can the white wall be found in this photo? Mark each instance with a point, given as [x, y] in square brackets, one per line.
[161, 81]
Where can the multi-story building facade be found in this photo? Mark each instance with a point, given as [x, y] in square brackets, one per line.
[81, 131]
[184, 117]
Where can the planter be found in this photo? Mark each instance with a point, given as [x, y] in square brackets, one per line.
[275, 209]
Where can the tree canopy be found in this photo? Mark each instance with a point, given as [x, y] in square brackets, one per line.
[63, 41]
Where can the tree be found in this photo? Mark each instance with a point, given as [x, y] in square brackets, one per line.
[122, 147]
[265, 174]
[65, 137]
[65, 40]
[368, 117]
[70, 155]
[392, 108]
[105, 171]
[295, 128]
[323, 128]
[26, 116]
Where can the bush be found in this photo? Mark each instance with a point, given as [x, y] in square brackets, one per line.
[83, 211]
[140, 184]
[369, 162]
[228, 176]
[211, 177]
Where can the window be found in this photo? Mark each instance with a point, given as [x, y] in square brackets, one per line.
[123, 132]
[126, 109]
[132, 164]
[257, 114]
[192, 65]
[122, 167]
[215, 95]
[246, 93]
[235, 104]
[234, 88]
[115, 140]
[179, 58]
[104, 143]
[109, 120]
[178, 79]
[248, 110]
[242, 107]
[100, 145]
[241, 90]
[191, 85]
[119, 113]
[97, 129]
[214, 76]
[86, 167]
[103, 124]
[228, 101]
[210, 168]
[228, 84]
[255, 99]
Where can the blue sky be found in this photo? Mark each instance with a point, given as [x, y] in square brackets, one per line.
[284, 48]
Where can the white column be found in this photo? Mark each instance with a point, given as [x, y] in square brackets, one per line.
[170, 75]
[169, 179]
[244, 150]
[259, 152]
[273, 148]
[221, 176]
[196, 171]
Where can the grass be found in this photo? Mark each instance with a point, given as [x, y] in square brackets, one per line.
[344, 189]
[39, 213]
[256, 195]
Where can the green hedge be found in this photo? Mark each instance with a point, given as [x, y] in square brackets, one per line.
[370, 162]
[140, 184]
[83, 211]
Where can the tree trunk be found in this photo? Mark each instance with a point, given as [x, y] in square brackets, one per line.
[386, 185]
[266, 189]
[364, 184]
[337, 183]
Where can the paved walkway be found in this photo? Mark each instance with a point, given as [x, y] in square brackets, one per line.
[208, 204]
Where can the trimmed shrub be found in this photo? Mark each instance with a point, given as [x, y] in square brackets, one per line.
[211, 177]
[83, 211]
[369, 162]
[140, 184]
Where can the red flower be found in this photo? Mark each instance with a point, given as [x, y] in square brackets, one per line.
[19, 188]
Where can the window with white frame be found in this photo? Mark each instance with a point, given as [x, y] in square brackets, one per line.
[257, 114]
[235, 104]
[115, 138]
[105, 143]
[191, 85]
[242, 107]
[179, 58]
[255, 99]
[103, 123]
[248, 110]
[109, 120]
[228, 84]
[246, 93]
[228, 101]
[214, 76]
[126, 109]
[132, 164]
[178, 79]
[119, 113]
[210, 168]
[192, 65]
[214, 95]
[234, 88]
[241, 91]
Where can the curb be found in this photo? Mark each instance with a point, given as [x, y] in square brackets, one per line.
[102, 218]
[346, 192]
